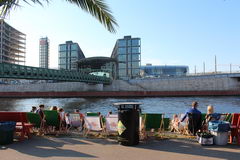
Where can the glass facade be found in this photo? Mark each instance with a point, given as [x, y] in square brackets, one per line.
[12, 44]
[164, 71]
[128, 53]
[101, 66]
[69, 54]
[44, 52]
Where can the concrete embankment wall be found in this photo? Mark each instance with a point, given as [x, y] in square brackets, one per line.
[182, 86]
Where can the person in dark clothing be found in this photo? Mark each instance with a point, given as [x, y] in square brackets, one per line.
[194, 118]
[192, 110]
[42, 116]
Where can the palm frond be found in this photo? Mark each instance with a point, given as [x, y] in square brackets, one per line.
[97, 8]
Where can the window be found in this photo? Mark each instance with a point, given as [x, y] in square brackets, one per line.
[135, 64]
[122, 65]
[62, 54]
[135, 49]
[129, 42]
[74, 54]
[129, 50]
[122, 72]
[122, 43]
[122, 50]
[62, 48]
[122, 58]
[135, 57]
[74, 47]
[62, 60]
[135, 42]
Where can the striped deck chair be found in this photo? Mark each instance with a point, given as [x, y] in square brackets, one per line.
[228, 117]
[235, 128]
[111, 124]
[92, 124]
[76, 120]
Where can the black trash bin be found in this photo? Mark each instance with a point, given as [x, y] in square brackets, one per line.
[128, 123]
[6, 132]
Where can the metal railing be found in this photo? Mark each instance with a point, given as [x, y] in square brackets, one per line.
[15, 71]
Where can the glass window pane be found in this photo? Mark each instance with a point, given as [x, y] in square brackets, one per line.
[135, 57]
[122, 50]
[122, 72]
[122, 58]
[129, 50]
[129, 42]
[135, 64]
[135, 42]
[122, 43]
[122, 65]
[135, 49]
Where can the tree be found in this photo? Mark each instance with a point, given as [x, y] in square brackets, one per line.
[97, 8]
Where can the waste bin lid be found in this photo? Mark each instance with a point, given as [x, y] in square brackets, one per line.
[127, 103]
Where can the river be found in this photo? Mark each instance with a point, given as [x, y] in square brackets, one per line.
[167, 105]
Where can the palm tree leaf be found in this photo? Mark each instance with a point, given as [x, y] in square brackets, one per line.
[97, 8]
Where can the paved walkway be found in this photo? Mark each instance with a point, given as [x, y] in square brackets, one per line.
[84, 148]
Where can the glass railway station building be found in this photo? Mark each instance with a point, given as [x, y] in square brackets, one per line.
[101, 66]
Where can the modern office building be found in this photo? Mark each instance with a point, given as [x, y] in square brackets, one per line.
[69, 54]
[44, 52]
[12, 44]
[163, 71]
[100, 66]
[127, 51]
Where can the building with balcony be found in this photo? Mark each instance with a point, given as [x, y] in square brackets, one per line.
[12, 44]
[127, 51]
[44, 52]
[69, 54]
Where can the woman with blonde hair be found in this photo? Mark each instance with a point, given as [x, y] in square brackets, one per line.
[211, 116]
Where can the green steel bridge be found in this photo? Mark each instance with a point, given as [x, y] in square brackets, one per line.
[15, 71]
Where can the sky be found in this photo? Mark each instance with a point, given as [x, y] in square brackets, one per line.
[172, 32]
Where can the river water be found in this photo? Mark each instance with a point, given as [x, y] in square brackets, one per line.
[167, 105]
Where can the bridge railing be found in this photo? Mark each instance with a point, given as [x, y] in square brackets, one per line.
[26, 72]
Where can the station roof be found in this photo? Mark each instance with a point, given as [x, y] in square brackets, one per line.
[95, 62]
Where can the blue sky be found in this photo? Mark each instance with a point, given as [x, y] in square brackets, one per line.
[173, 32]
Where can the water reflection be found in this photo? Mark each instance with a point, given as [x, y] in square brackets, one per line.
[167, 105]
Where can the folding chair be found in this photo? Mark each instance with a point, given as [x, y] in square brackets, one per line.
[52, 120]
[235, 127]
[92, 124]
[166, 123]
[228, 117]
[111, 124]
[183, 126]
[76, 121]
[152, 123]
[194, 123]
[34, 119]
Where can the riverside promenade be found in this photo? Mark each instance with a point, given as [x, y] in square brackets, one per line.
[75, 148]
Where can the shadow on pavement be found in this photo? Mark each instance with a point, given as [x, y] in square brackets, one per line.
[192, 148]
[49, 147]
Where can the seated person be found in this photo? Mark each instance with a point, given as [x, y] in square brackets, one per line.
[174, 123]
[211, 116]
[194, 118]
